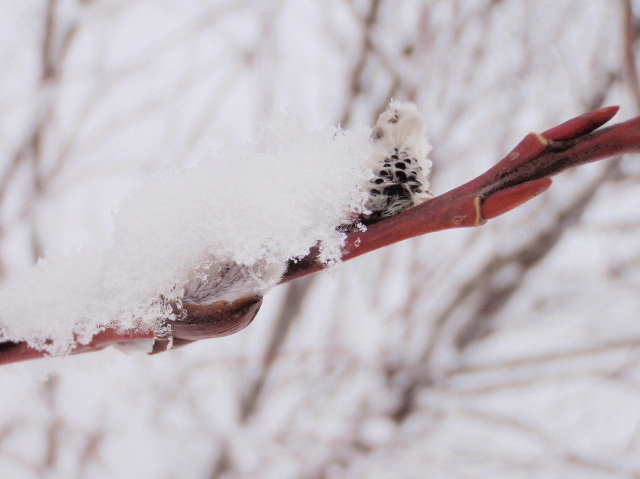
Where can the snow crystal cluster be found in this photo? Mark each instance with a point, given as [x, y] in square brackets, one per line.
[218, 231]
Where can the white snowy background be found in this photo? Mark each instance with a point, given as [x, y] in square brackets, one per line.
[511, 350]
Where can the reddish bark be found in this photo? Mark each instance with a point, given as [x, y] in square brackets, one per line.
[15, 352]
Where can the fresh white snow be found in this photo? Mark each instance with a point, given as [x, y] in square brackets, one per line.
[254, 205]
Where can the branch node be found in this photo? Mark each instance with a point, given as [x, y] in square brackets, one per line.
[541, 139]
[477, 205]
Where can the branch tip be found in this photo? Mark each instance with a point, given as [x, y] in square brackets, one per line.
[581, 125]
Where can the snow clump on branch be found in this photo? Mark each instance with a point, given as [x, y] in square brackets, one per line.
[257, 205]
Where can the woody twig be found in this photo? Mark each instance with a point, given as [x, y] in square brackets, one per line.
[520, 176]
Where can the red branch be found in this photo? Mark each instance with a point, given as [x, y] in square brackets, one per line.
[521, 175]
[11, 352]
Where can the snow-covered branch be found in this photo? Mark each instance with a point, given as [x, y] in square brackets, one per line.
[523, 174]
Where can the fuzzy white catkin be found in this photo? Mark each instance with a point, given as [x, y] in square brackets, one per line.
[229, 281]
[398, 163]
